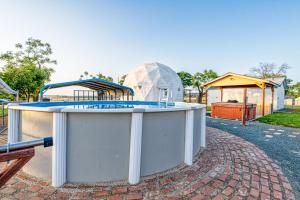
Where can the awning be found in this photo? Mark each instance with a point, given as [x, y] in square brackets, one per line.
[93, 84]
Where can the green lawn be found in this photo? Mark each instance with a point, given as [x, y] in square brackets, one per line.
[283, 119]
[208, 109]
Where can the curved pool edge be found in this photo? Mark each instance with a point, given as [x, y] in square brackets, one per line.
[153, 140]
[178, 106]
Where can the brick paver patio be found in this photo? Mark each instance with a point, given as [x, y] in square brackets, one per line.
[229, 168]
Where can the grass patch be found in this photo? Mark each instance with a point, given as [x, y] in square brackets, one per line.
[283, 119]
[208, 108]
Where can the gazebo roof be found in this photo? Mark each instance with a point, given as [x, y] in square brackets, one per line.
[238, 80]
[93, 83]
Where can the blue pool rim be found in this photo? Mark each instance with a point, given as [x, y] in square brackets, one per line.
[75, 103]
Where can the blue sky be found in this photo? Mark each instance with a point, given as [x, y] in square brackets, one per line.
[113, 36]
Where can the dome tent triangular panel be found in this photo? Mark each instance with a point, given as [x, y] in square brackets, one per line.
[147, 81]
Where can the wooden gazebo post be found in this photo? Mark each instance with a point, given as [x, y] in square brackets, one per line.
[263, 99]
[244, 117]
[272, 101]
[221, 89]
[206, 97]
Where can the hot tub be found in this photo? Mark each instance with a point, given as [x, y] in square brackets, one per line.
[233, 111]
[100, 141]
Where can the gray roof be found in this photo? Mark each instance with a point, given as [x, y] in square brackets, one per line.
[5, 88]
[277, 80]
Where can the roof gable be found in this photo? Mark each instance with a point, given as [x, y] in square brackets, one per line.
[232, 80]
[279, 80]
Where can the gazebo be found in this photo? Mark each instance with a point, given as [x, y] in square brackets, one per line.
[237, 81]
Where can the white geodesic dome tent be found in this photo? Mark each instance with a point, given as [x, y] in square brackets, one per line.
[154, 82]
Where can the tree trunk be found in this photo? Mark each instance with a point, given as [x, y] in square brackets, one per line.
[28, 96]
[35, 98]
[200, 96]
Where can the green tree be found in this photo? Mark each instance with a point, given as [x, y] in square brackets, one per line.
[86, 75]
[27, 68]
[294, 90]
[199, 79]
[37, 52]
[269, 70]
[122, 79]
[186, 78]
[102, 76]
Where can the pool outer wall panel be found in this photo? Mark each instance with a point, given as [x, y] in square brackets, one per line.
[34, 124]
[162, 141]
[197, 131]
[98, 147]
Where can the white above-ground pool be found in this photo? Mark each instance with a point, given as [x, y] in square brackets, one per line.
[100, 141]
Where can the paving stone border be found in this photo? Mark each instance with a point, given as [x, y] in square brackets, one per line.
[283, 149]
[229, 168]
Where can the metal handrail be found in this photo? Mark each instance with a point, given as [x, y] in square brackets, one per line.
[46, 142]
